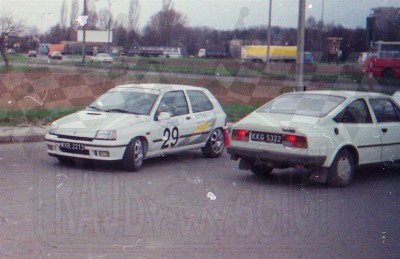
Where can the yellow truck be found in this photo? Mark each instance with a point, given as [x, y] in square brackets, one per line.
[258, 53]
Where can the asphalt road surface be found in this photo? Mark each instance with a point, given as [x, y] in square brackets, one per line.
[188, 206]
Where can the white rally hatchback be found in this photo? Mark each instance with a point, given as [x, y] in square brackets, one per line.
[332, 132]
[138, 121]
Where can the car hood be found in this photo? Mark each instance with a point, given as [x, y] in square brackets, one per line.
[275, 122]
[88, 123]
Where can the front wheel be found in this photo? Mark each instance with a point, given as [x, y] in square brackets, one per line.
[65, 160]
[134, 155]
[341, 171]
[215, 144]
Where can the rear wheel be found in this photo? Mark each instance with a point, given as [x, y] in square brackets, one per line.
[257, 169]
[134, 155]
[261, 170]
[341, 171]
[387, 73]
[215, 144]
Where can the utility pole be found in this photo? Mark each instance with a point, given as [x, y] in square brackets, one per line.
[109, 25]
[84, 32]
[300, 47]
[321, 46]
[269, 37]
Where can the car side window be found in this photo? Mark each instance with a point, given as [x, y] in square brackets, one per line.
[356, 112]
[199, 101]
[174, 103]
[385, 110]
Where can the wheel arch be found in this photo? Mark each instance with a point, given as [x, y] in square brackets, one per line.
[353, 151]
[350, 148]
[144, 141]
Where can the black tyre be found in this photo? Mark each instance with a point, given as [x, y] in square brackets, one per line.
[215, 144]
[387, 73]
[261, 171]
[341, 171]
[65, 160]
[134, 155]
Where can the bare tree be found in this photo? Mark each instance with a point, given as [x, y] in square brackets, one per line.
[166, 27]
[8, 29]
[92, 14]
[63, 14]
[105, 19]
[74, 12]
[133, 15]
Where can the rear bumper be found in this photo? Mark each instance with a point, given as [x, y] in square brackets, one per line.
[278, 159]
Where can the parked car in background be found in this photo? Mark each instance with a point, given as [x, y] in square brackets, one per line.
[130, 123]
[330, 132]
[55, 55]
[32, 53]
[103, 58]
[11, 51]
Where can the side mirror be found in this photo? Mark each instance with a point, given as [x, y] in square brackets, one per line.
[164, 116]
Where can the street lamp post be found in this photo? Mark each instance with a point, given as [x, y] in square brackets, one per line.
[109, 25]
[269, 37]
[84, 33]
[300, 47]
[321, 48]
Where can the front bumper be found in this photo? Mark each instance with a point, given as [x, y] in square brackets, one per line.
[278, 159]
[97, 150]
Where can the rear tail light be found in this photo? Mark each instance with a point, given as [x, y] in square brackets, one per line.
[226, 138]
[240, 135]
[294, 141]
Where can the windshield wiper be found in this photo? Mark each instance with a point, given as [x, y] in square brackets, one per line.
[122, 111]
[95, 108]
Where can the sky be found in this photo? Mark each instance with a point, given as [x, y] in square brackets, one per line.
[218, 14]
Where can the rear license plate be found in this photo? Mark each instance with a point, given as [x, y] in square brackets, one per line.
[72, 146]
[266, 137]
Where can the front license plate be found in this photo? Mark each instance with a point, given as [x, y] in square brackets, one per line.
[72, 146]
[266, 137]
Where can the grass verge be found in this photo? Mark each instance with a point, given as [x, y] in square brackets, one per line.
[36, 116]
[13, 118]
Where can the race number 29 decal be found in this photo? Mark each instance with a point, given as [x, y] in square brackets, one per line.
[171, 137]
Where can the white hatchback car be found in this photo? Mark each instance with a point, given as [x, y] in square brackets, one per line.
[102, 57]
[138, 121]
[332, 132]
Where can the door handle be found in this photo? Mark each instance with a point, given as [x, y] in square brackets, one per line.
[384, 130]
[188, 117]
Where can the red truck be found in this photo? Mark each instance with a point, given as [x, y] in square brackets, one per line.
[385, 62]
[382, 67]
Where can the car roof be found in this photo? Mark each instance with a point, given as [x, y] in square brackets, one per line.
[347, 94]
[161, 87]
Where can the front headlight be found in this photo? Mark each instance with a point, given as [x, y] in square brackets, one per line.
[106, 134]
[53, 129]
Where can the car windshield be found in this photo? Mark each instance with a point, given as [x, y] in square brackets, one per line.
[315, 105]
[125, 101]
